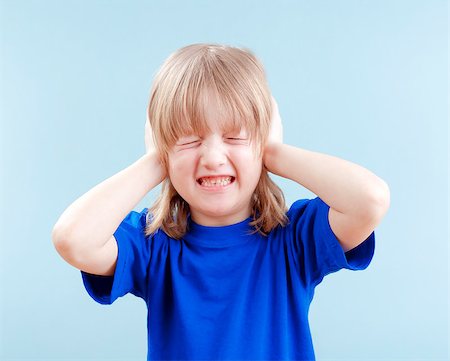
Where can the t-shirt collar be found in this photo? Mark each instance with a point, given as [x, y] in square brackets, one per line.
[218, 236]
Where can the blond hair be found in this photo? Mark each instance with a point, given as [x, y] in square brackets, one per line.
[178, 99]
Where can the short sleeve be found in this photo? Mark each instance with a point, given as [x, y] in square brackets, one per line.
[317, 247]
[131, 271]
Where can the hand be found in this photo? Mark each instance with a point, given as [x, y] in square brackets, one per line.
[276, 126]
[150, 147]
[149, 142]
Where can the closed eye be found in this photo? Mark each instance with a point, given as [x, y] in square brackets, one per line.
[239, 141]
[187, 145]
[193, 142]
[237, 134]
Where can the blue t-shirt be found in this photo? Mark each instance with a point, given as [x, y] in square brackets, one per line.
[221, 294]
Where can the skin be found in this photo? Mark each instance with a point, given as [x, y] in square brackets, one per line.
[357, 198]
[216, 153]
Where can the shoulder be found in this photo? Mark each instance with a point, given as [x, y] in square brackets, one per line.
[133, 228]
[135, 219]
[305, 217]
[306, 208]
[298, 206]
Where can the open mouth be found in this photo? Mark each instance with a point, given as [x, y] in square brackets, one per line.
[215, 182]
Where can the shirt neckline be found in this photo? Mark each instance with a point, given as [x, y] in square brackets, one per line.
[218, 236]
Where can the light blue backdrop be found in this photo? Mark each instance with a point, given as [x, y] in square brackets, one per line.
[362, 80]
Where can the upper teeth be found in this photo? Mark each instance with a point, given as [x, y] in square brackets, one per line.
[215, 181]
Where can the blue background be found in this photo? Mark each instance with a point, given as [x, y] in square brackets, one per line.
[366, 81]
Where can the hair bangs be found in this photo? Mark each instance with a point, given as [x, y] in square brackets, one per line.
[220, 108]
[190, 110]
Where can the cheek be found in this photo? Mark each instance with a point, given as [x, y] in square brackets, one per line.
[177, 175]
[251, 165]
[179, 166]
[257, 170]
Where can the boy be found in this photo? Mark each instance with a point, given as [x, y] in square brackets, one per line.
[226, 270]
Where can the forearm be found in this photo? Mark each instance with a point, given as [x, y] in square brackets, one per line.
[344, 186]
[91, 220]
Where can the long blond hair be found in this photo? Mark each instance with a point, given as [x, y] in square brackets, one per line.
[177, 107]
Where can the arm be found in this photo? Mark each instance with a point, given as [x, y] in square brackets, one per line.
[83, 235]
[358, 199]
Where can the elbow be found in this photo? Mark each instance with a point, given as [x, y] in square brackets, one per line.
[384, 197]
[60, 238]
[380, 199]
[66, 248]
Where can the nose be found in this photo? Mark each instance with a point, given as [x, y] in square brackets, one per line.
[213, 154]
